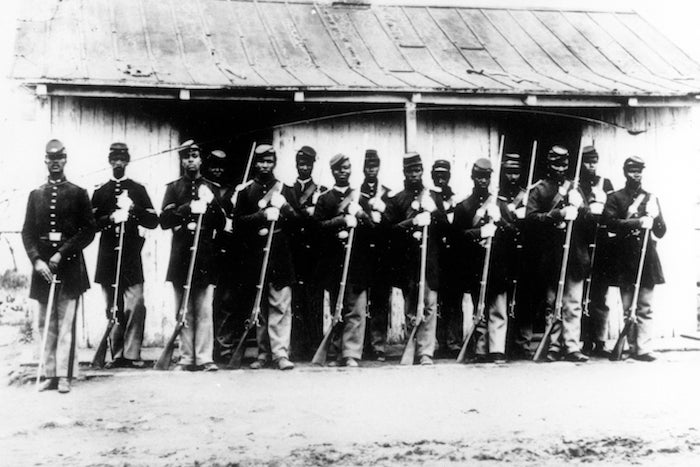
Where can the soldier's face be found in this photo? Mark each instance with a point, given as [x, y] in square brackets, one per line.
[216, 171]
[371, 173]
[341, 173]
[441, 178]
[118, 164]
[589, 167]
[304, 169]
[55, 164]
[513, 178]
[413, 174]
[265, 165]
[634, 175]
[481, 180]
[558, 172]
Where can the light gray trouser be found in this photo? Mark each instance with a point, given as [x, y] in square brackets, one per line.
[425, 336]
[127, 333]
[60, 342]
[567, 334]
[352, 338]
[197, 337]
[641, 334]
[492, 328]
[275, 324]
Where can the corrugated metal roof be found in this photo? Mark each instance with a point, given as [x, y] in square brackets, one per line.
[306, 45]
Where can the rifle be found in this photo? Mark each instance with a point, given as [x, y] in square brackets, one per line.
[165, 358]
[252, 321]
[589, 278]
[322, 351]
[98, 360]
[481, 306]
[558, 303]
[409, 352]
[47, 323]
[249, 164]
[631, 319]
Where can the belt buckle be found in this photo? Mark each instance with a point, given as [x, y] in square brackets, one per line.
[55, 236]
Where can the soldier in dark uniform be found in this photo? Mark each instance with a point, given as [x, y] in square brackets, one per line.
[477, 218]
[409, 211]
[185, 199]
[122, 200]
[377, 195]
[307, 296]
[260, 203]
[57, 227]
[450, 315]
[339, 210]
[551, 204]
[629, 212]
[596, 189]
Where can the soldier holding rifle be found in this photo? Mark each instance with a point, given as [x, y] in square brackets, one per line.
[58, 225]
[633, 213]
[261, 207]
[560, 214]
[122, 203]
[185, 200]
[344, 217]
[411, 212]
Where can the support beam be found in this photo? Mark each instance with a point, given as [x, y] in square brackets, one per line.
[411, 128]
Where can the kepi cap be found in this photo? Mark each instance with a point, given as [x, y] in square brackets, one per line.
[634, 162]
[589, 154]
[338, 159]
[558, 156]
[441, 165]
[410, 159]
[306, 152]
[55, 149]
[511, 163]
[119, 149]
[482, 166]
[262, 150]
[371, 158]
[191, 148]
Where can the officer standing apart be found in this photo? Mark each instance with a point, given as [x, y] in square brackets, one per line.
[630, 213]
[58, 225]
[551, 204]
[185, 199]
[479, 217]
[339, 210]
[409, 211]
[596, 190]
[377, 195]
[307, 297]
[259, 204]
[122, 200]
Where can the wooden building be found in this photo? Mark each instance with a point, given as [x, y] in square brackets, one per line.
[343, 76]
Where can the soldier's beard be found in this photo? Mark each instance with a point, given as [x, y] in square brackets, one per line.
[118, 172]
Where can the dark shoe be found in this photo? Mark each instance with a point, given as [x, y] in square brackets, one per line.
[645, 357]
[587, 348]
[478, 358]
[520, 353]
[284, 364]
[49, 384]
[351, 363]
[600, 351]
[380, 356]
[551, 357]
[63, 385]
[576, 357]
[497, 357]
[210, 367]
[181, 367]
[259, 364]
[116, 363]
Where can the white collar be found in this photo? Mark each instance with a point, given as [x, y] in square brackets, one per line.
[118, 179]
[341, 189]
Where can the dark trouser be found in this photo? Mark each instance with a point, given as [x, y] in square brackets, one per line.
[379, 310]
[349, 342]
[527, 299]
[232, 306]
[450, 319]
[307, 319]
[595, 325]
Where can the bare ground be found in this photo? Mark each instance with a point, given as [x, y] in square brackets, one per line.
[522, 414]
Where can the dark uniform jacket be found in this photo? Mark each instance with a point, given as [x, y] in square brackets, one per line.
[544, 208]
[471, 252]
[59, 219]
[379, 236]
[227, 252]
[450, 266]
[104, 203]
[302, 227]
[400, 212]
[176, 215]
[330, 214]
[604, 245]
[253, 228]
[629, 238]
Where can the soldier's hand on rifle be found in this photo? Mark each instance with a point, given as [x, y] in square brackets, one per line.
[422, 219]
[511, 207]
[488, 230]
[272, 214]
[494, 212]
[120, 215]
[520, 212]
[428, 204]
[597, 208]
[277, 201]
[376, 217]
[377, 205]
[198, 206]
[575, 199]
[646, 222]
[43, 269]
[350, 220]
[54, 261]
[570, 213]
[354, 209]
[205, 194]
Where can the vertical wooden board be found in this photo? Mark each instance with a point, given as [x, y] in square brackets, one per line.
[64, 45]
[132, 49]
[159, 25]
[101, 61]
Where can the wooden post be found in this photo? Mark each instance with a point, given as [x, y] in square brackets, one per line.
[411, 128]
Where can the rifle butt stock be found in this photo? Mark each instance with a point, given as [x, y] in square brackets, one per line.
[544, 343]
[322, 352]
[163, 362]
[237, 356]
[98, 361]
[616, 353]
[462, 356]
[409, 352]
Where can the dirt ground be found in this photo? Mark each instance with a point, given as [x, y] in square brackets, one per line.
[522, 414]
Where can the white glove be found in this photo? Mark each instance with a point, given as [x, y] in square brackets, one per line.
[120, 215]
[124, 202]
[575, 198]
[599, 195]
[480, 213]
[422, 219]
[377, 204]
[597, 208]
[646, 222]
[198, 206]
[277, 200]
[376, 217]
[652, 208]
[511, 207]
[520, 213]
[354, 208]
[494, 212]
[488, 230]
[428, 204]
[570, 213]
[310, 210]
[272, 214]
[205, 194]
[350, 220]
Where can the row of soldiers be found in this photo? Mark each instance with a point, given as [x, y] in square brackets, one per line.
[422, 240]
